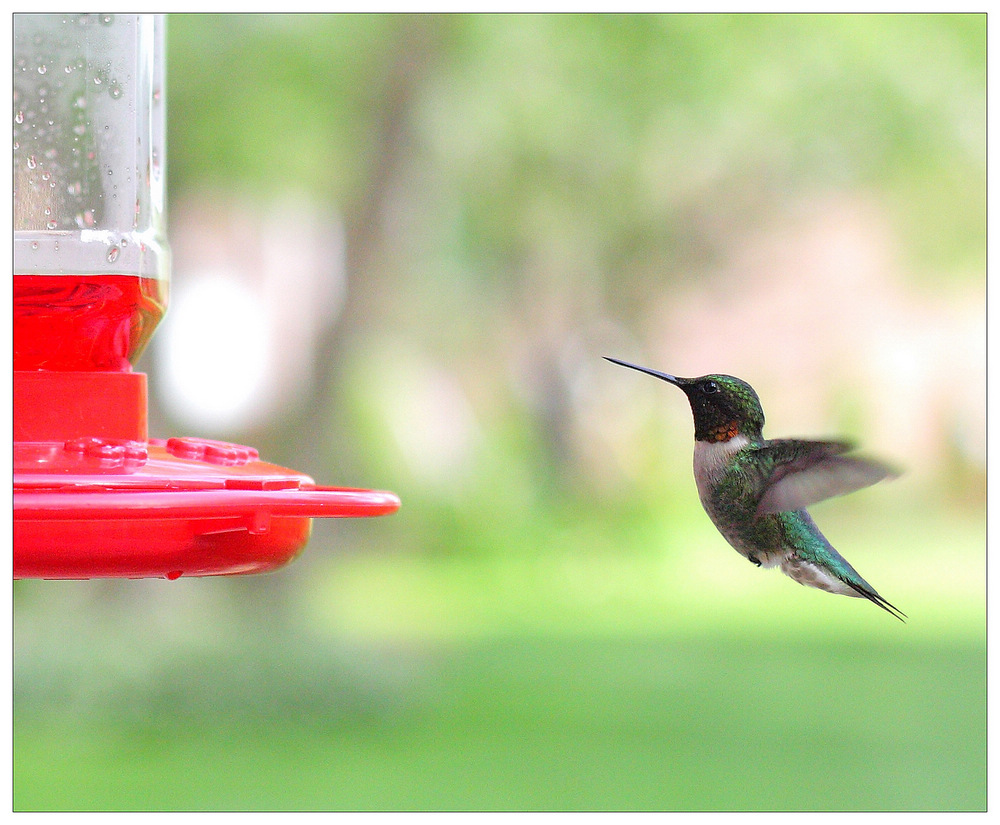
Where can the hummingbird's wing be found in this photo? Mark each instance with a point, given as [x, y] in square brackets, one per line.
[803, 472]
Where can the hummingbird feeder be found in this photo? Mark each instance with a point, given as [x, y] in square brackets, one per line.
[94, 495]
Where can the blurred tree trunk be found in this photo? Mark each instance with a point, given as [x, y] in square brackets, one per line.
[314, 441]
[412, 57]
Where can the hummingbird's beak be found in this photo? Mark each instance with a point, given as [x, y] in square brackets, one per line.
[671, 379]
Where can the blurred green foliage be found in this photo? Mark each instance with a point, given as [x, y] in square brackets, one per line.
[550, 621]
[605, 136]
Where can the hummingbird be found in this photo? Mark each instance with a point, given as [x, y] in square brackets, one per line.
[756, 490]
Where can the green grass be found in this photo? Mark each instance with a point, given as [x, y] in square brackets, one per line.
[592, 675]
[548, 723]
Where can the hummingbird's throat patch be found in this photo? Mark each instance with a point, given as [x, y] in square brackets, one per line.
[723, 432]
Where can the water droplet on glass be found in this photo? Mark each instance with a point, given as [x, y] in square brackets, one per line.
[97, 80]
[34, 244]
[124, 243]
[42, 69]
[113, 254]
[51, 225]
[115, 91]
[19, 117]
[31, 162]
[46, 175]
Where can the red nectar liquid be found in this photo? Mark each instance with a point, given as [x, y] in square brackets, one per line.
[84, 322]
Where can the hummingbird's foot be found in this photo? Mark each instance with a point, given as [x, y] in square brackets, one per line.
[755, 560]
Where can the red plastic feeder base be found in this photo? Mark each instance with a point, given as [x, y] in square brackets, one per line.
[117, 505]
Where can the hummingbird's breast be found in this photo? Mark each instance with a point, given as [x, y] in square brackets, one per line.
[728, 496]
[712, 460]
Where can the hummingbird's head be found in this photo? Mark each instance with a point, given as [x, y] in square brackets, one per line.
[722, 406]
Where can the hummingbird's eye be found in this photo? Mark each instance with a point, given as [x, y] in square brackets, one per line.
[709, 387]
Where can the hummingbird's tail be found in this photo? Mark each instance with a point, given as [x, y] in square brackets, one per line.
[847, 582]
[813, 561]
[872, 596]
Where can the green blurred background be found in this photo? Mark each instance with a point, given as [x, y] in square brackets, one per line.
[449, 220]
